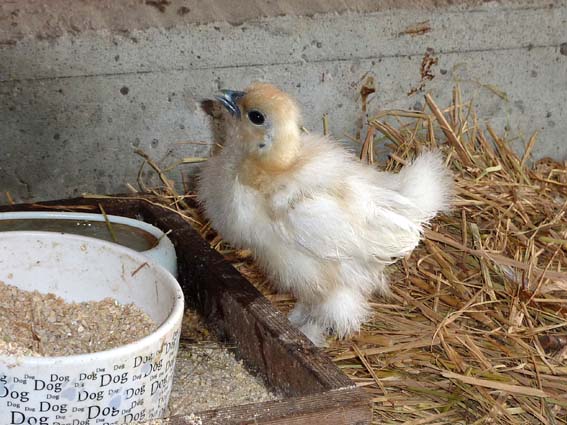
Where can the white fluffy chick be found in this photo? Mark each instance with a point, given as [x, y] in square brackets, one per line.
[320, 223]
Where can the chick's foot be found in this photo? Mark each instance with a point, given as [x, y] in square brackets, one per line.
[315, 332]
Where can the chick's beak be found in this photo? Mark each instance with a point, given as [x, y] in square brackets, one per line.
[229, 99]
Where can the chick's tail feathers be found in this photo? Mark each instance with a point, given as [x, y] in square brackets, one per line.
[428, 184]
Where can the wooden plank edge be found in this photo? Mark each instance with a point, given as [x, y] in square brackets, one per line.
[349, 406]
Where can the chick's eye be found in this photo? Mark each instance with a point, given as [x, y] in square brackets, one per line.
[256, 117]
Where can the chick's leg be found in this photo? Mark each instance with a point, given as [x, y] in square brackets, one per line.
[342, 310]
[315, 332]
[299, 315]
[300, 318]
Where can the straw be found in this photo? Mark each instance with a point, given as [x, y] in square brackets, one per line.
[475, 329]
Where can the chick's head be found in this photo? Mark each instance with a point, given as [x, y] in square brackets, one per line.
[265, 122]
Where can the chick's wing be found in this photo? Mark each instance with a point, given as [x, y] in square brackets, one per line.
[364, 221]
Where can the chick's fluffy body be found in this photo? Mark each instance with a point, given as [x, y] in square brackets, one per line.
[321, 224]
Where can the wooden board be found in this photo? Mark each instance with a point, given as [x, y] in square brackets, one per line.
[315, 390]
[337, 407]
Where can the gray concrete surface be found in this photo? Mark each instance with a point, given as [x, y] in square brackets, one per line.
[73, 107]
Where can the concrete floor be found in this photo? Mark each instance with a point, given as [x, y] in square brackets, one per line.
[77, 96]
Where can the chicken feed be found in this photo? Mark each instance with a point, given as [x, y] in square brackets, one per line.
[35, 324]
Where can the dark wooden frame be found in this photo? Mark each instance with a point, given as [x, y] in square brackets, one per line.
[315, 390]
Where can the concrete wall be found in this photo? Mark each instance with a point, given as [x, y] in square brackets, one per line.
[78, 95]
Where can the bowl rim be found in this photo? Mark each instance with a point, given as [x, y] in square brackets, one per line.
[61, 215]
[175, 315]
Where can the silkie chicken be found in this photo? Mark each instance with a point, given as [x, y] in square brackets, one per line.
[320, 223]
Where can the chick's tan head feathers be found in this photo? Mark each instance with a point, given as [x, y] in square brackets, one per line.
[273, 102]
[266, 123]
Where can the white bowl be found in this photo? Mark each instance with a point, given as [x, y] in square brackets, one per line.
[126, 384]
[163, 253]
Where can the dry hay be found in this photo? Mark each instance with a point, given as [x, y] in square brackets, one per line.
[475, 329]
